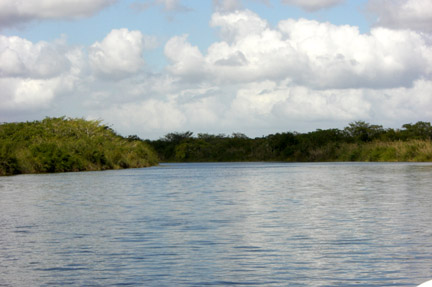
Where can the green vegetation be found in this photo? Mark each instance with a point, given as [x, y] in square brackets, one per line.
[64, 144]
[359, 141]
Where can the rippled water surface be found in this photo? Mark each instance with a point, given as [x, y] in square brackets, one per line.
[218, 224]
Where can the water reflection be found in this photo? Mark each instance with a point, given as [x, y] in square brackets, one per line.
[265, 224]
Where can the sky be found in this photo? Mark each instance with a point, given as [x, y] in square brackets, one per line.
[258, 67]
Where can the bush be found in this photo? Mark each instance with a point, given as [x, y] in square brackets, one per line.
[64, 144]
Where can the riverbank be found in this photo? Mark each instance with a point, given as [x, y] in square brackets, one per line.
[359, 141]
[65, 144]
[379, 151]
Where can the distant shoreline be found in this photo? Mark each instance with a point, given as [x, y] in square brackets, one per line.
[359, 141]
[67, 145]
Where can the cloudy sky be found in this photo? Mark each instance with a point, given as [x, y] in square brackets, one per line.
[150, 67]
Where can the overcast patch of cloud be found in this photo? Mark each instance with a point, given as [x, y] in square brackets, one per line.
[261, 108]
[166, 5]
[19, 12]
[313, 5]
[119, 55]
[402, 14]
[150, 115]
[226, 5]
[403, 104]
[294, 106]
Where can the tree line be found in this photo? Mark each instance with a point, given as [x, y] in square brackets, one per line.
[66, 144]
[359, 141]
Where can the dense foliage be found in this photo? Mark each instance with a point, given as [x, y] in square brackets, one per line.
[360, 141]
[64, 144]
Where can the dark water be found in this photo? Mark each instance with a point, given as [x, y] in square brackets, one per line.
[257, 224]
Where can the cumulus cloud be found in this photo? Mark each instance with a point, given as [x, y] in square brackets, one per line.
[17, 12]
[22, 58]
[403, 14]
[23, 94]
[313, 5]
[305, 52]
[187, 60]
[341, 57]
[238, 25]
[33, 74]
[39, 76]
[256, 78]
[118, 55]
[268, 78]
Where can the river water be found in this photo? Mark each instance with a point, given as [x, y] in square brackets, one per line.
[220, 224]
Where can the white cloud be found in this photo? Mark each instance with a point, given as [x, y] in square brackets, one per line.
[149, 115]
[403, 14]
[238, 25]
[305, 52]
[118, 55]
[279, 103]
[266, 107]
[167, 5]
[261, 108]
[226, 5]
[298, 75]
[17, 12]
[171, 5]
[403, 104]
[313, 5]
[22, 58]
[205, 113]
[22, 94]
[27, 94]
[257, 78]
[33, 74]
[187, 59]
[339, 56]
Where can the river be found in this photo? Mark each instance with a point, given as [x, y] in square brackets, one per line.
[220, 224]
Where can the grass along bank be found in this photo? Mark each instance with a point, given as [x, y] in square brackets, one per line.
[396, 151]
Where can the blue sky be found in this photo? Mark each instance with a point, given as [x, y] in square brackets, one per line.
[252, 66]
[163, 24]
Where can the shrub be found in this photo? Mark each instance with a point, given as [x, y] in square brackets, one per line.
[64, 144]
